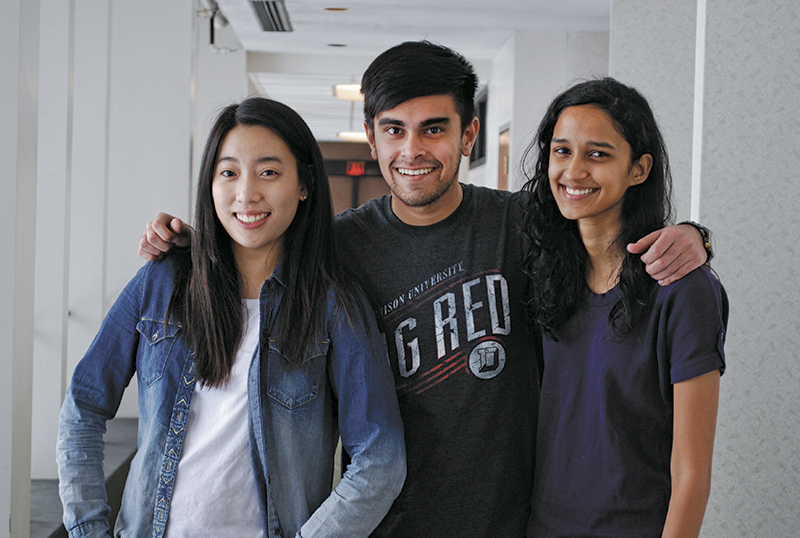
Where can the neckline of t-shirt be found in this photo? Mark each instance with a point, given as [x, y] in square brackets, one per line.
[603, 299]
[252, 312]
[252, 306]
[451, 219]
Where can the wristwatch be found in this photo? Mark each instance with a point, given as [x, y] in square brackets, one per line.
[708, 241]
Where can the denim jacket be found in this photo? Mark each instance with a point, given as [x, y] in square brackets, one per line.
[296, 414]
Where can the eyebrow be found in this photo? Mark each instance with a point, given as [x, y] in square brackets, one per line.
[589, 143]
[444, 120]
[260, 160]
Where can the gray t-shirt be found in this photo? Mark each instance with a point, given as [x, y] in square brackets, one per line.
[450, 300]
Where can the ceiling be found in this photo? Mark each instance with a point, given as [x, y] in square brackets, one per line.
[327, 47]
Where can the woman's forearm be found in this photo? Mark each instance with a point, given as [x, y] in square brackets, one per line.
[687, 505]
[694, 426]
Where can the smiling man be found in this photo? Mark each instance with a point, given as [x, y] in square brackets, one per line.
[441, 262]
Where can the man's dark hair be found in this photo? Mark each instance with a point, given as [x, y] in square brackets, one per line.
[418, 69]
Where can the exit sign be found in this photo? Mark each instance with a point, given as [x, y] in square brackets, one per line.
[355, 168]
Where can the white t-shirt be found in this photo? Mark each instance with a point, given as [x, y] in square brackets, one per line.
[215, 493]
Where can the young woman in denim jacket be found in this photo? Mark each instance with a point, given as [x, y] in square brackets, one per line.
[253, 355]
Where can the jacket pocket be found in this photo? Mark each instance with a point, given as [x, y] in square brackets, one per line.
[293, 384]
[155, 346]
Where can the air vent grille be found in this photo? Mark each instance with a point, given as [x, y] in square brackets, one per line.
[272, 16]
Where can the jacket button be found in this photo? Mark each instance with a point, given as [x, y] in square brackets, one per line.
[279, 531]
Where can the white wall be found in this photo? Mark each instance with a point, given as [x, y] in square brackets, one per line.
[740, 134]
[748, 193]
[127, 89]
[19, 86]
[52, 201]
[587, 56]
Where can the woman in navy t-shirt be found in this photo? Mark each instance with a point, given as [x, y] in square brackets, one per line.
[631, 377]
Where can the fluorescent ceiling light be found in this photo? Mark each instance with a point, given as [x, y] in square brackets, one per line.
[353, 136]
[348, 92]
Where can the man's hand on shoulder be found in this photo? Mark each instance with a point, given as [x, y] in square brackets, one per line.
[163, 233]
[671, 253]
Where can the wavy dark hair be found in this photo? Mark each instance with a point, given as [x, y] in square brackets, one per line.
[207, 297]
[418, 69]
[557, 260]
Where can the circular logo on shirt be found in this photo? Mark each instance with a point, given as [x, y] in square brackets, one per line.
[487, 359]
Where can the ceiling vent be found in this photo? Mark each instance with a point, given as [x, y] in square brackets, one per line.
[272, 16]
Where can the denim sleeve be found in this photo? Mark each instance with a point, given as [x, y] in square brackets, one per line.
[371, 431]
[93, 398]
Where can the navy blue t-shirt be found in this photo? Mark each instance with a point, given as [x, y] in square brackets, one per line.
[605, 418]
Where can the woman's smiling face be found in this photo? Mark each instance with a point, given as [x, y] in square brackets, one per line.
[590, 166]
[256, 190]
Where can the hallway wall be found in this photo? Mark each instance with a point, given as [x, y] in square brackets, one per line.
[733, 62]
[19, 37]
[120, 123]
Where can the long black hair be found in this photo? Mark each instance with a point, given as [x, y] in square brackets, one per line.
[207, 297]
[557, 260]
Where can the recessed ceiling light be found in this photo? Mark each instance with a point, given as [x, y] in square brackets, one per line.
[353, 136]
[348, 92]
[337, 9]
[336, 45]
